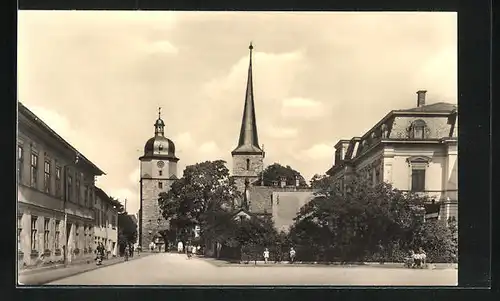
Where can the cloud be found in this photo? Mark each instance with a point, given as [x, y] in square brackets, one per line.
[123, 194]
[302, 107]
[209, 148]
[184, 140]
[134, 176]
[161, 47]
[273, 74]
[318, 151]
[281, 132]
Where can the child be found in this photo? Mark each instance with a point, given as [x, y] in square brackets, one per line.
[292, 255]
[266, 255]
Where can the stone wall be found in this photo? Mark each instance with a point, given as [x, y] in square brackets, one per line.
[150, 209]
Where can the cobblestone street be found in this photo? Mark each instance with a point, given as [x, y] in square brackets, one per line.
[176, 269]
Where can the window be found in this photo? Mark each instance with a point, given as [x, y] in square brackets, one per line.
[46, 233]
[46, 178]
[77, 237]
[34, 170]
[86, 195]
[160, 172]
[20, 161]
[417, 130]
[57, 235]
[248, 164]
[70, 188]
[34, 240]
[58, 181]
[160, 185]
[19, 231]
[418, 180]
[78, 189]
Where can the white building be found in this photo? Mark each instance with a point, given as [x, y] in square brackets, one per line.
[106, 226]
[414, 149]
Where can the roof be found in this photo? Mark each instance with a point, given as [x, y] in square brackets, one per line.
[439, 107]
[22, 109]
[249, 140]
[104, 196]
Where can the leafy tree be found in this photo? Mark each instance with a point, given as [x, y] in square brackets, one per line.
[204, 194]
[363, 220]
[127, 229]
[319, 181]
[275, 172]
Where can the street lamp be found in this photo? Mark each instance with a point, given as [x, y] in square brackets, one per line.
[65, 199]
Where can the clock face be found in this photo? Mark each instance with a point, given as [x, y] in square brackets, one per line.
[160, 164]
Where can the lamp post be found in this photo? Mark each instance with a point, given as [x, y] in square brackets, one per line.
[65, 199]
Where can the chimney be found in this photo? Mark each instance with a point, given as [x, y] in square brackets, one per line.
[283, 182]
[421, 98]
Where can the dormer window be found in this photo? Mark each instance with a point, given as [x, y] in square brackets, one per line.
[160, 147]
[417, 129]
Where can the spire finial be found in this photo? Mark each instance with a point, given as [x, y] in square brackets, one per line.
[159, 112]
[251, 46]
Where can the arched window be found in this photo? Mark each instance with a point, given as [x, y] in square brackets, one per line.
[417, 129]
[248, 164]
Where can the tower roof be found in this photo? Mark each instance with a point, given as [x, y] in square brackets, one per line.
[249, 140]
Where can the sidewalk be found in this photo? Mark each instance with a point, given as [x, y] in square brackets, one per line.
[261, 263]
[44, 275]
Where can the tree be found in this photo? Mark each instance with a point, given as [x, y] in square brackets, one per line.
[275, 172]
[319, 181]
[204, 194]
[360, 221]
[127, 228]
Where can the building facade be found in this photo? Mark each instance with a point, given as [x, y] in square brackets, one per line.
[157, 173]
[414, 149]
[56, 192]
[106, 222]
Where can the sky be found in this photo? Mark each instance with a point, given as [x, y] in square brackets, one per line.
[98, 77]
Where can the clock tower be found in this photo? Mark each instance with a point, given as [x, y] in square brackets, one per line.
[158, 172]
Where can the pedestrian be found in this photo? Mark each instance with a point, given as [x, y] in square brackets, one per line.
[152, 246]
[189, 251]
[193, 250]
[266, 255]
[180, 247]
[131, 250]
[292, 255]
[127, 252]
[423, 256]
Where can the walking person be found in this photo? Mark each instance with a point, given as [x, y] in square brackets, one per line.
[292, 255]
[266, 255]
[180, 247]
[189, 251]
[127, 252]
[131, 250]
[193, 250]
[152, 246]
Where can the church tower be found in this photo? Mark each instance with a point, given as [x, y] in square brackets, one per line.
[248, 157]
[158, 172]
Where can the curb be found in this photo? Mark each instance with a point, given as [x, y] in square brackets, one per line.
[225, 263]
[91, 268]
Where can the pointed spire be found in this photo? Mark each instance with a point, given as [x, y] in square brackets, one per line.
[249, 140]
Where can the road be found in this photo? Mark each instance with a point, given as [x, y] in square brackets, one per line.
[176, 269]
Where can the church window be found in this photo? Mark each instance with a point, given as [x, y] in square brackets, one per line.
[160, 172]
[248, 164]
[160, 185]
